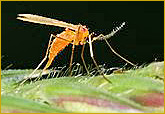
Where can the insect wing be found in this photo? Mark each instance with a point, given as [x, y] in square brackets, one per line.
[47, 21]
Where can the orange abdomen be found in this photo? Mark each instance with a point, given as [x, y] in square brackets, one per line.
[58, 44]
[63, 39]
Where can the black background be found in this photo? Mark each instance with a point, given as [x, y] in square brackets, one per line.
[141, 41]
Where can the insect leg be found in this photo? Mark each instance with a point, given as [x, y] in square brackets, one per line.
[71, 60]
[91, 52]
[82, 57]
[119, 54]
[30, 76]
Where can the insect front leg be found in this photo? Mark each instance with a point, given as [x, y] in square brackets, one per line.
[118, 54]
[91, 52]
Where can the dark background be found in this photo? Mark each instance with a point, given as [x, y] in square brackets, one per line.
[141, 41]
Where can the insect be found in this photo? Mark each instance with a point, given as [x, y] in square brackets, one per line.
[74, 34]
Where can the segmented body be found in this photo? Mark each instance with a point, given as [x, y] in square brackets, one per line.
[75, 34]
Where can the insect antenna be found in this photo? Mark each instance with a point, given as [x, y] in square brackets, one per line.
[102, 37]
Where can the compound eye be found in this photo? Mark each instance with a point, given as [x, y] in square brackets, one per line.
[83, 29]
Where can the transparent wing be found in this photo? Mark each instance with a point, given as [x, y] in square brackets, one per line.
[47, 21]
